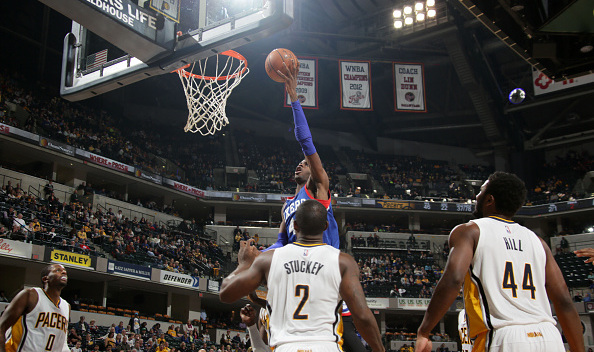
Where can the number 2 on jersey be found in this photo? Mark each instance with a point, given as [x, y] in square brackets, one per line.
[298, 289]
[509, 281]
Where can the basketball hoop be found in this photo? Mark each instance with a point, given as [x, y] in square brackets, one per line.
[206, 96]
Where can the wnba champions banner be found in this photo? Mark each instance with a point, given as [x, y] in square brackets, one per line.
[307, 84]
[409, 89]
[355, 85]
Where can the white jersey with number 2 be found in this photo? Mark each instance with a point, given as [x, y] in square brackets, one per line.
[304, 301]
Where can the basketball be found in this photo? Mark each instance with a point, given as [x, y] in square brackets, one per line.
[275, 60]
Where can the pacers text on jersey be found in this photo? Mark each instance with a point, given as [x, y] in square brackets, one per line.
[296, 266]
[52, 320]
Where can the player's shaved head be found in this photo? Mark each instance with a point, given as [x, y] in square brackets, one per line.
[311, 218]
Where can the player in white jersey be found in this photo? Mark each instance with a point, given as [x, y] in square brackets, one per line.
[307, 281]
[463, 331]
[508, 272]
[38, 318]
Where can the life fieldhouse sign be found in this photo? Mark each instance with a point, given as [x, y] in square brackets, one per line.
[355, 85]
[15, 248]
[70, 258]
[378, 303]
[307, 84]
[127, 13]
[409, 87]
[213, 286]
[103, 161]
[57, 146]
[413, 303]
[543, 84]
[169, 277]
[127, 269]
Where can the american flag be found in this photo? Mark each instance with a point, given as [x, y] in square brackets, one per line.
[96, 59]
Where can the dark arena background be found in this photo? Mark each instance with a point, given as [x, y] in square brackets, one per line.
[411, 107]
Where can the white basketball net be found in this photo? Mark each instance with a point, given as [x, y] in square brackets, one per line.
[206, 96]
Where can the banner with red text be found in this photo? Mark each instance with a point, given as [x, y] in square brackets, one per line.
[409, 87]
[307, 84]
[184, 188]
[103, 161]
[15, 248]
[355, 85]
[543, 84]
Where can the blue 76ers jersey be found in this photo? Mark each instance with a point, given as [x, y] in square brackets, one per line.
[330, 235]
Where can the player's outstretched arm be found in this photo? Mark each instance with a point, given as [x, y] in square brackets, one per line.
[462, 242]
[352, 293]
[250, 273]
[586, 252]
[303, 136]
[23, 303]
[559, 296]
[283, 238]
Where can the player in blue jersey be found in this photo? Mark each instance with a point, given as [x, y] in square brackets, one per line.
[312, 183]
[310, 176]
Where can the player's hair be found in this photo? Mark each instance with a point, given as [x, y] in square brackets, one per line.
[508, 190]
[311, 218]
[45, 272]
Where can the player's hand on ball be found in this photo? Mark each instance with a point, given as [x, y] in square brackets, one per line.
[291, 78]
[247, 252]
[248, 315]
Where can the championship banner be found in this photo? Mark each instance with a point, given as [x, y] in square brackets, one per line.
[413, 303]
[169, 277]
[184, 188]
[70, 258]
[15, 248]
[103, 161]
[129, 270]
[307, 84]
[543, 84]
[355, 85]
[57, 146]
[409, 87]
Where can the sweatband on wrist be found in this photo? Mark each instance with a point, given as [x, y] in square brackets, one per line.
[302, 133]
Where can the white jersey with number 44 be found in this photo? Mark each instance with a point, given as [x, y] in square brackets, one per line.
[505, 284]
[303, 298]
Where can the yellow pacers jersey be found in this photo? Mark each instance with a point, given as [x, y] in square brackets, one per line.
[463, 331]
[43, 329]
[505, 284]
[304, 302]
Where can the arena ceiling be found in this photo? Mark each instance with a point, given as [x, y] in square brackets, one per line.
[469, 71]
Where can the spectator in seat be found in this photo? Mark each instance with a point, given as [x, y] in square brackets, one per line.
[119, 328]
[564, 244]
[82, 327]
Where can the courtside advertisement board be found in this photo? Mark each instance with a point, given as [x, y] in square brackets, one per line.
[73, 259]
[307, 84]
[187, 281]
[409, 87]
[355, 85]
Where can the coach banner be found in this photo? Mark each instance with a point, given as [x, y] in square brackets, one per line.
[307, 84]
[409, 87]
[128, 269]
[543, 84]
[355, 85]
[15, 248]
[169, 277]
[70, 258]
